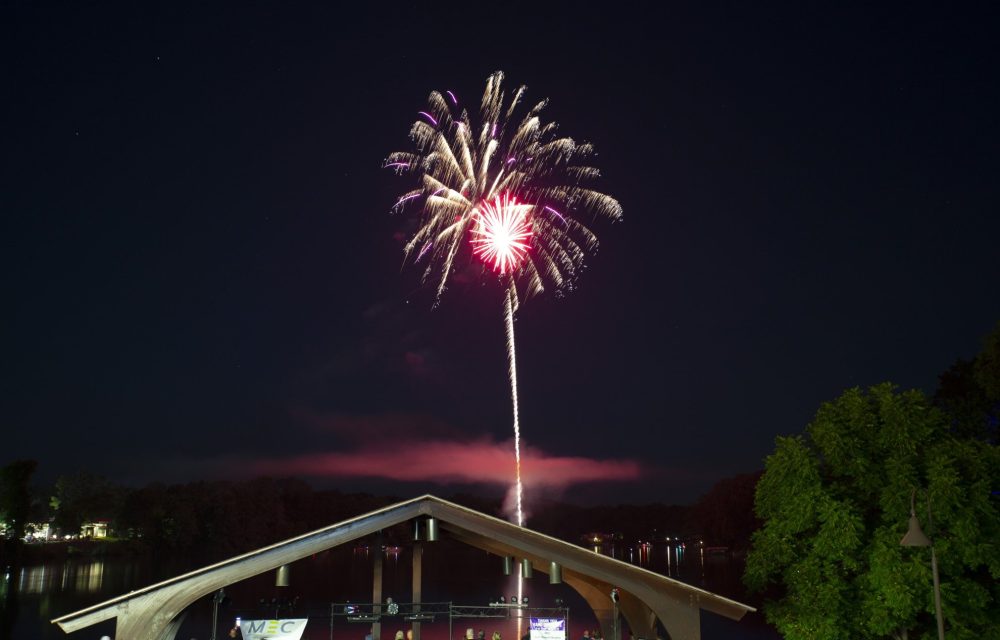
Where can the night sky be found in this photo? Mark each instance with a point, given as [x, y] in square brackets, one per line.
[202, 278]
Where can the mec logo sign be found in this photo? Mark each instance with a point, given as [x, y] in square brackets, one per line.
[289, 629]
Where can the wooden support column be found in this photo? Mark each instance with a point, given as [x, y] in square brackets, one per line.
[681, 619]
[596, 593]
[377, 587]
[418, 570]
[641, 619]
[170, 631]
[142, 619]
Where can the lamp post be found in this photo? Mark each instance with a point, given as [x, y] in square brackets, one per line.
[614, 601]
[216, 599]
[915, 538]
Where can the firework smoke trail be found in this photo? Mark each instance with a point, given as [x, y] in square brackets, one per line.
[503, 190]
[508, 308]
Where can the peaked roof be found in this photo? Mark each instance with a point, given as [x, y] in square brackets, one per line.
[467, 525]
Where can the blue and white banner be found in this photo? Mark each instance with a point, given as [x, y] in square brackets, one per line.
[548, 629]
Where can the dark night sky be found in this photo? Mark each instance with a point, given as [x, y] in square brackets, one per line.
[202, 278]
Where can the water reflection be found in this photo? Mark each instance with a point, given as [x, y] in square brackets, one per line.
[671, 558]
[391, 552]
[35, 580]
[71, 577]
[90, 578]
[644, 549]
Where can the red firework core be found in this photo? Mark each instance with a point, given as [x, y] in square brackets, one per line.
[502, 232]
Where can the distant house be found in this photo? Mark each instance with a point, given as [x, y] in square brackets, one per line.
[598, 538]
[39, 531]
[33, 531]
[96, 529]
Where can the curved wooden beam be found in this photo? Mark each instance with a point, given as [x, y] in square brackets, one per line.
[156, 611]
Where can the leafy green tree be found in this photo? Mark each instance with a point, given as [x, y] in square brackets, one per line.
[15, 497]
[835, 504]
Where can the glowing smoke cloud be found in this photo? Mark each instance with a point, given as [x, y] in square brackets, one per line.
[446, 462]
[504, 189]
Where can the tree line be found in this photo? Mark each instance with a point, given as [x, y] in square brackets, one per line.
[200, 519]
[217, 519]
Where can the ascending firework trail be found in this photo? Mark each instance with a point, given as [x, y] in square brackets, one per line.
[505, 190]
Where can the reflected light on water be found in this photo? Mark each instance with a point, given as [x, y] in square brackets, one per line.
[667, 559]
[82, 578]
[36, 579]
[644, 549]
[90, 578]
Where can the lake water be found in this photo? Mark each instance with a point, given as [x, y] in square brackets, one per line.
[31, 596]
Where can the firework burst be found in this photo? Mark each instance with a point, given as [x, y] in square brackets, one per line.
[463, 166]
[504, 189]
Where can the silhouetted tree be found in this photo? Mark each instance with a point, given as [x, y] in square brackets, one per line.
[969, 392]
[15, 497]
[84, 497]
[213, 520]
[725, 515]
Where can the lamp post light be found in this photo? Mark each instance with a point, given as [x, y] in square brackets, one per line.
[219, 596]
[283, 576]
[915, 538]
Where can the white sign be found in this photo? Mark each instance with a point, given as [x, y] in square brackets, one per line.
[273, 629]
[548, 629]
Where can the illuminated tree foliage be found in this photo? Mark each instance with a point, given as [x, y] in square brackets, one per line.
[835, 503]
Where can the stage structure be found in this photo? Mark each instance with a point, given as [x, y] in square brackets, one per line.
[642, 597]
